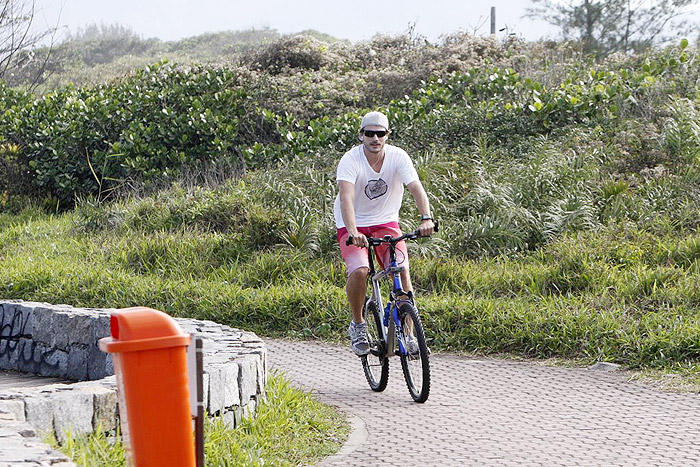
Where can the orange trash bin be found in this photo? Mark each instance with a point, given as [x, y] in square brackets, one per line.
[150, 363]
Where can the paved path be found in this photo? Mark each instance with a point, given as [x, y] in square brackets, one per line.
[485, 412]
[14, 379]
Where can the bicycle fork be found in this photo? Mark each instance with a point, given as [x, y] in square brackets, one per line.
[389, 313]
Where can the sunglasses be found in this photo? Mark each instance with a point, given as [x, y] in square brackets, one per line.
[371, 133]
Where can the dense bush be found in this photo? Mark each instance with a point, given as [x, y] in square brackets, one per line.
[145, 128]
[295, 52]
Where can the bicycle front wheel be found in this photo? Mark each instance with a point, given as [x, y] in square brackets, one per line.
[414, 355]
[375, 364]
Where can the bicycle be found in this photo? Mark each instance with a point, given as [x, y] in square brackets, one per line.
[396, 322]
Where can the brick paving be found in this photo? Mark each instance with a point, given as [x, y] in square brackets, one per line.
[486, 412]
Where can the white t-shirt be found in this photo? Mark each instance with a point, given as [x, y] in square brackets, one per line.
[378, 196]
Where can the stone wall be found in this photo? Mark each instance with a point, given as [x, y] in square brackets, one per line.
[61, 341]
[54, 340]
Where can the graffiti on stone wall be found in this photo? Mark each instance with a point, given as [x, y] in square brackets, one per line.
[14, 323]
[17, 349]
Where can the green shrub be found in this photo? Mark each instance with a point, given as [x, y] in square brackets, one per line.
[301, 98]
[145, 127]
[294, 52]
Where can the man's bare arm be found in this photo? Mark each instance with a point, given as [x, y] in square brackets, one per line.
[347, 210]
[427, 226]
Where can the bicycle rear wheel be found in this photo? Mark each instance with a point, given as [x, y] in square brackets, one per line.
[415, 365]
[375, 364]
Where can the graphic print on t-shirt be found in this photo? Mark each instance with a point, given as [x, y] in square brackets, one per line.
[376, 188]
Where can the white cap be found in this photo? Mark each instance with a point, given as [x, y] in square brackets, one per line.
[375, 118]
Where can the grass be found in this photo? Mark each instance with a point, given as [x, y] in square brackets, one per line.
[616, 294]
[565, 246]
[591, 296]
[683, 379]
[96, 449]
[289, 428]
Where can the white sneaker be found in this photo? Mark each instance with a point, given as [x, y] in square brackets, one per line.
[358, 338]
[411, 345]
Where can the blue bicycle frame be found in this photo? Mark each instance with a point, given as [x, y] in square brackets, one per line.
[390, 326]
[397, 320]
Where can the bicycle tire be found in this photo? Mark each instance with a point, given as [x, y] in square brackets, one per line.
[416, 367]
[375, 364]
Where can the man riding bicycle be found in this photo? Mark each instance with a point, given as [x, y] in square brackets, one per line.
[371, 179]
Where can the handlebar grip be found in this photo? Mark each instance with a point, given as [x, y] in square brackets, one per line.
[436, 225]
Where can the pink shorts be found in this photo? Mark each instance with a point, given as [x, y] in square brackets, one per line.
[356, 257]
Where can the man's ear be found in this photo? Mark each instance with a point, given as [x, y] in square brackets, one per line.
[359, 136]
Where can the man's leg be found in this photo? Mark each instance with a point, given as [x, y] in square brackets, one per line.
[357, 266]
[406, 280]
[356, 289]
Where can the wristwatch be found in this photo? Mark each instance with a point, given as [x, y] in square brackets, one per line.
[425, 217]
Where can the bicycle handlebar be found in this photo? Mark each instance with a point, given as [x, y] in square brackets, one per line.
[377, 241]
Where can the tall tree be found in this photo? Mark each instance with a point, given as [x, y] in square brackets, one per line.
[18, 33]
[606, 26]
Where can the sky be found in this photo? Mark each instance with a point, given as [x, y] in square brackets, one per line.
[355, 21]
